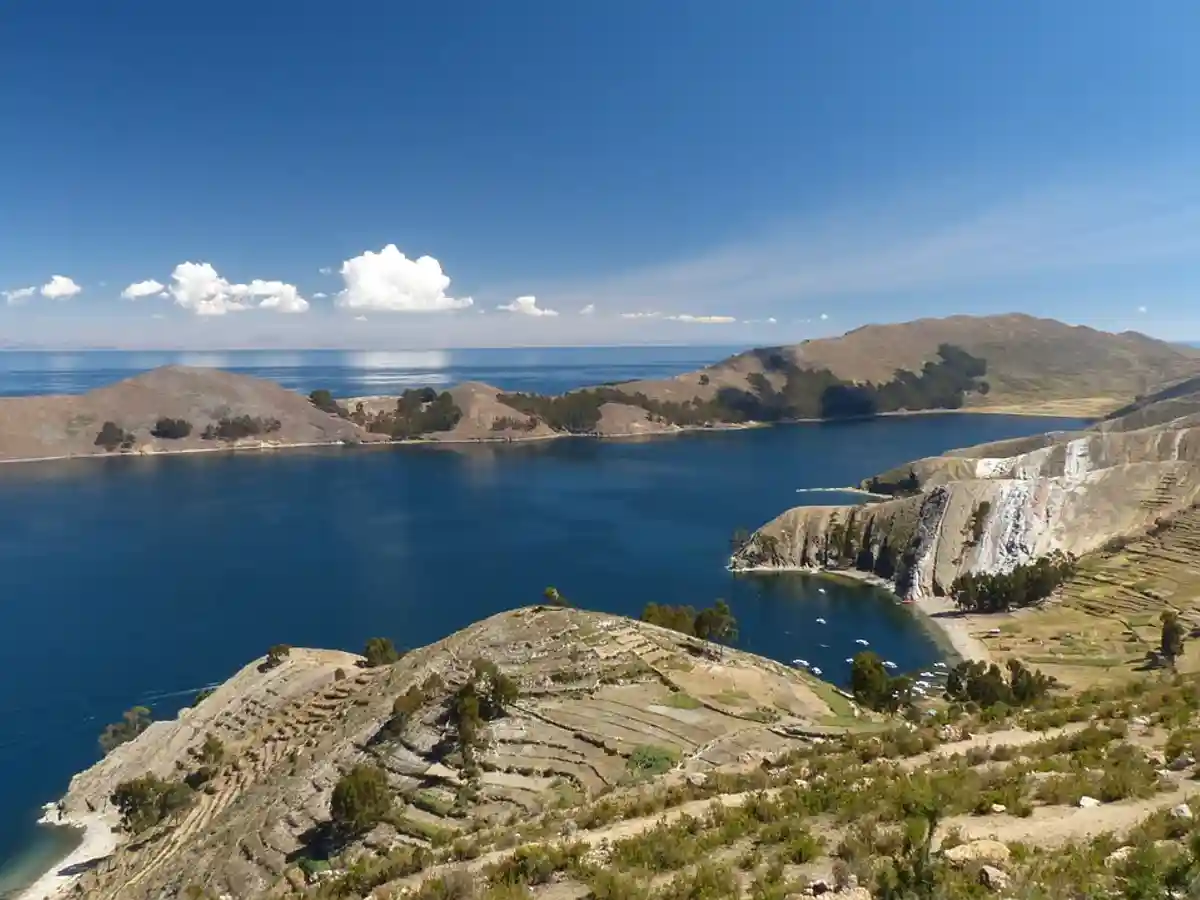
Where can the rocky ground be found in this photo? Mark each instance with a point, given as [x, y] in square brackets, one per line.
[773, 785]
[594, 690]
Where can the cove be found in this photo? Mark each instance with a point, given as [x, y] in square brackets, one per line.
[142, 580]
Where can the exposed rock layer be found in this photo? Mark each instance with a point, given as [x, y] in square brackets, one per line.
[995, 506]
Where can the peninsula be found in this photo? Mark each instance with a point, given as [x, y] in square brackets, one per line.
[1088, 533]
[549, 752]
[1010, 364]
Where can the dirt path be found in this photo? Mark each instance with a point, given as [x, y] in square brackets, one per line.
[1050, 826]
[1053, 826]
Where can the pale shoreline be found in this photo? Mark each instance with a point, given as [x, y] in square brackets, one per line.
[98, 841]
[259, 447]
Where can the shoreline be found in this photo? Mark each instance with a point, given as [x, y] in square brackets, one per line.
[950, 629]
[97, 841]
[263, 447]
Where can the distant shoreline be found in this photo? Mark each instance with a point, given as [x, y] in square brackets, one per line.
[670, 432]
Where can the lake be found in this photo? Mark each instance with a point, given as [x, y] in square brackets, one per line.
[142, 580]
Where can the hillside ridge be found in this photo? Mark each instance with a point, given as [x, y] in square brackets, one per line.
[1012, 363]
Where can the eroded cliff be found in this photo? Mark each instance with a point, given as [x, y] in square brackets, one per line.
[995, 506]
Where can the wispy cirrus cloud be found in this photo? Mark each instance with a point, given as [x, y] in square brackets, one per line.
[940, 239]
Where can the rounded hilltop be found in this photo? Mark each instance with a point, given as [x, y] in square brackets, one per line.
[564, 703]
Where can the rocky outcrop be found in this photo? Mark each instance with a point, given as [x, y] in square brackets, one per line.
[994, 507]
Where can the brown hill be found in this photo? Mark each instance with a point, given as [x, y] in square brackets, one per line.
[36, 427]
[1028, 360]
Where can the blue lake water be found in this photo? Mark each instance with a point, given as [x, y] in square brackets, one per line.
[357, 372]
[128, 581]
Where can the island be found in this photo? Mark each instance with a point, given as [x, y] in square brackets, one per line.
[1003, 364]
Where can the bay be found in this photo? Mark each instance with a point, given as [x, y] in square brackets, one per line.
[142, 580]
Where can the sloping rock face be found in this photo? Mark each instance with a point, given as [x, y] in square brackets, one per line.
[994, 507]
[593, 688]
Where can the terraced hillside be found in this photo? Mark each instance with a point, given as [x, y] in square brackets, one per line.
[596, 695]
[1098, 792]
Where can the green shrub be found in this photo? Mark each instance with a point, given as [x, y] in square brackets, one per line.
[380, 651]
[133, 722]
[146, 801]
[649, 759]
[361, 799]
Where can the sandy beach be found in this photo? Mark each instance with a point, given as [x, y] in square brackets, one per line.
[944, 615]
[99, 841]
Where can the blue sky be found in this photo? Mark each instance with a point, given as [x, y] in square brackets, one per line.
[269, 173]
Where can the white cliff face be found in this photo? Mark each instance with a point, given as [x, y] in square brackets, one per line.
[1078, 459]
[929, 531]
[1024, 523]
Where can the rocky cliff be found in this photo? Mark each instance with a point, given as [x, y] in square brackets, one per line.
[992, 507]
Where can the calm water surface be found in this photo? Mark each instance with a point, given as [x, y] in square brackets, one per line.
[128, 581]
[357, 372]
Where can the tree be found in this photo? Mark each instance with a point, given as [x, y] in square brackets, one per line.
[677, 618]
[361, 799]
[380, 651]
[495, 689]
[171, 429]
[716, 624]
[111, 436]
[1171, 643]
[552, 596]
[869, 680]
[276, 655]
[146, 801]
[133, 722]
[323, 400]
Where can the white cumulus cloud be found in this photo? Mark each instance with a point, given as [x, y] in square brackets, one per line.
[703, 320]
[390, 281]
[140, 289]
[824, 316]
[641, 315]
[197, 287]
[20, 295]
[326, 270]
[276, 295]
[59, 287]
[527, 306]
[588, 310]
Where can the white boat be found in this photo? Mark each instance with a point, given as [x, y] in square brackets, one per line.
[820, 590]
[820, 621]
[928, 675]
[849, 659]
[800, 663]
[815, 670]
[863, 642]
[888, 664]
[940, 665]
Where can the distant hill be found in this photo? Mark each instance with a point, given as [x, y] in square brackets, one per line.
[1011, 363]
[37, 427]
[1031, 365]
